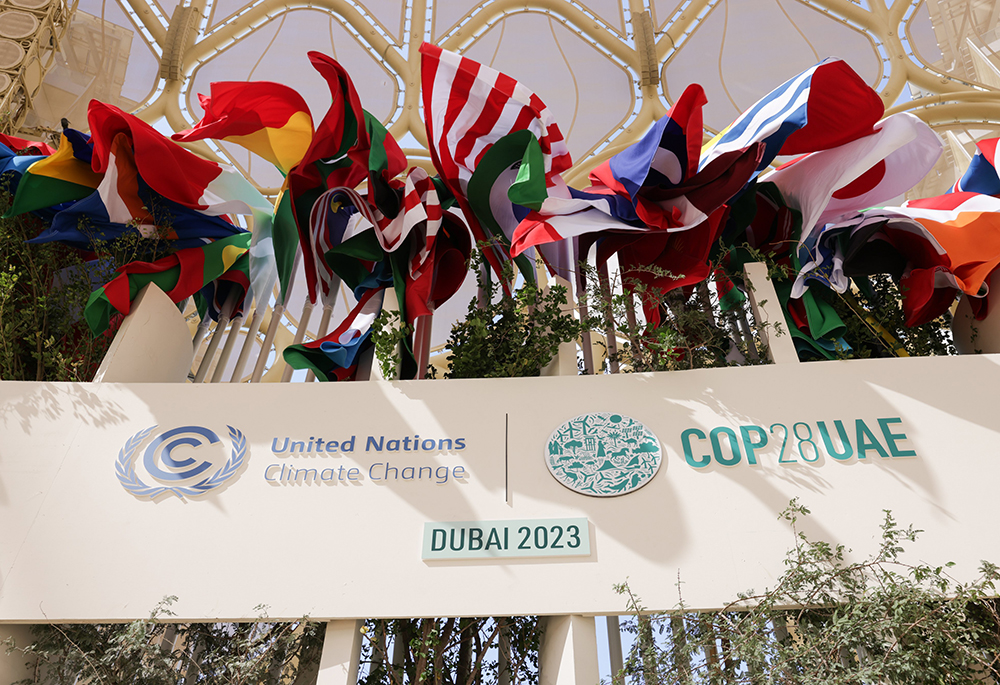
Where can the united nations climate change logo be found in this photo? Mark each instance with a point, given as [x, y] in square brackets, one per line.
[603, 454]
[183, 477]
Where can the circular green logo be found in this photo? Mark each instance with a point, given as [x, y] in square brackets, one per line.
[603, 454]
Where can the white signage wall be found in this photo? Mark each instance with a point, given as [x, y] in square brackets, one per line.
[499, 497]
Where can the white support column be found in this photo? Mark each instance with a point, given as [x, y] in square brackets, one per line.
[16, 666]
[341, 656]
[568, 653]
[767, 312]
[615, 655]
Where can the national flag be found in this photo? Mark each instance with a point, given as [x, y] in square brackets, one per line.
[665, 157]
[335, 356]
[419, 216]
[365, 250]
[814, 325]
[936, 248]
[488, 194]
[169, 169]
[442, 271]
[660, 261]
[179, 275]
[468, 107]
[866, 172]
[876, 241]
[234, 282]
[268, 119]
[981, 176]
[335, 218]
[653, 209]
[184, 178]
[31, 147]
[653, 185]
[52, 180]
[15, 164]
[349, 146]
[967, 226]
[730, 297]
[123, 203]
[353, 251]
[823, 107]
[769, 224]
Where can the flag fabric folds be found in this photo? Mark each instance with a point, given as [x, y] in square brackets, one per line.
[169, 169]
[335, 356]
[936, 248]
[863, 173]
[179, 275]
[825, 106]
[653, 185]
[967, 226]
[348, 147]
[62, 177]
[31, 147]
[981, 176]
[268, 119]
[469, 107]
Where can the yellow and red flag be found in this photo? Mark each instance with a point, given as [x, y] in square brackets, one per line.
[268, 119]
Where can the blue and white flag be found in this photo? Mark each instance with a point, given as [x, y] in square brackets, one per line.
[823, 107]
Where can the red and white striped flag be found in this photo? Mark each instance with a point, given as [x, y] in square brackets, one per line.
[467, 108]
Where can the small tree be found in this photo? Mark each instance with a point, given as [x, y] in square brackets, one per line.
[879, 620]
[152, 652]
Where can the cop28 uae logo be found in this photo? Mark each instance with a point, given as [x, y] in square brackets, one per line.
[174, 474]
[603, 454]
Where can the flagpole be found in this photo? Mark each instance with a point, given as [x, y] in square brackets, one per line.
[201, 332]
[324, 327]
[227, 349]
[300, 334]
[220, 328]
[585, 337]
[272, 328]
[329, 302]
[611, 337]
[241, 361]
[422, 342]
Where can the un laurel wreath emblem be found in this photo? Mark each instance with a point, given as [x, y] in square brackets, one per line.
[161, 465]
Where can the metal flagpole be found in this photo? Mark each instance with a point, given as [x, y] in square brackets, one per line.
[220, 329]
[324, 322]
[241, 361]
[300, 334]
[272, 328]
[227, 349]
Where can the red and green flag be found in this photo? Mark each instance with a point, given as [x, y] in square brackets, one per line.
[349, 146]
[179, 275]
